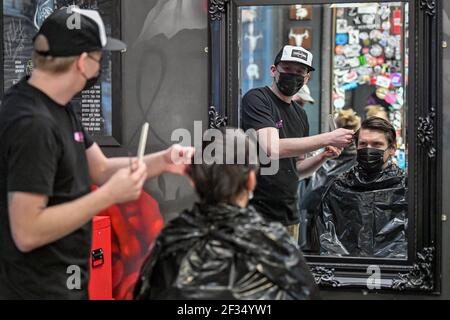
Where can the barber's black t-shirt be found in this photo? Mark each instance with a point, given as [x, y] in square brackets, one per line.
[42, 151]
[275, 196]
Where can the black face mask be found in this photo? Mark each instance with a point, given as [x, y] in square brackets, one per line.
[92, 81]
[289, 83]
[370, 160]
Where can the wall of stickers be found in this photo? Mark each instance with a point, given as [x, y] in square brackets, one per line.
[370, 63]
[21, 21]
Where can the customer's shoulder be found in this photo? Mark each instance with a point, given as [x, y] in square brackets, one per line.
[340, 181]
[344, 177]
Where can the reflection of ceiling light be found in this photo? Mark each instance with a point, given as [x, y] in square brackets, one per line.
[353, 5]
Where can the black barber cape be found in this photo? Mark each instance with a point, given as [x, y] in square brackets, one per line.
[225, 252]
[363, 216]
[310, 195]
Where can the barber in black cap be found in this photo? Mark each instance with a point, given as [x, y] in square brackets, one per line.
[48, 161]
[283, 133]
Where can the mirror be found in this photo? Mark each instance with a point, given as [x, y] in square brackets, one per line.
[360, 55]
[397, 69]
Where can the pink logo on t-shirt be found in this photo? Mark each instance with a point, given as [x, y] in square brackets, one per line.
[279, 124]
[79, 136]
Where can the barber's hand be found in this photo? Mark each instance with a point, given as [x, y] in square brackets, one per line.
[178, 159]
[126, 184]
[341, 137]
[331, 152]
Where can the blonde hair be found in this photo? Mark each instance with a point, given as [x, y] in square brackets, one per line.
[376, 111]
[348, 119]
[50, 64]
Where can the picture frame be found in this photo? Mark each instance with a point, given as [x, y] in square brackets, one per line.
[100, 109]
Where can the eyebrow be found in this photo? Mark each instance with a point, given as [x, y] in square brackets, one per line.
[373, 142]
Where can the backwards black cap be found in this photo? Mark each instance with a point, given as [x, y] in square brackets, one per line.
[70, 31]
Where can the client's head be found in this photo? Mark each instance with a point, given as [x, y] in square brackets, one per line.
[227, 174]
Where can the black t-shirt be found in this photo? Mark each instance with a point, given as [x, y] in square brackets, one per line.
[275, 196]
[42, 151]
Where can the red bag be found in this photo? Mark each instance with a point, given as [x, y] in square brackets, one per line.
[135, 226]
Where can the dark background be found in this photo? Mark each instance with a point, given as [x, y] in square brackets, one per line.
[168, 79]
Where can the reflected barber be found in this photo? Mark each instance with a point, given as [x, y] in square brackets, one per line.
[279, 120]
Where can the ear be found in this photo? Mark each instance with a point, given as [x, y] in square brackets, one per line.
[273, 70]
[392, 150]
[81, 62]
[251, 181]
[308, 76]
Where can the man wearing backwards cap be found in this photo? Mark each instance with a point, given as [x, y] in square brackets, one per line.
[48, 162]
[281, 122]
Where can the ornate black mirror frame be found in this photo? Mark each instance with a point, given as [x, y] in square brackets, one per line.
[421, 272]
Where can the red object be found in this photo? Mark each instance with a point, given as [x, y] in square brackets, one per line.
[100, 281]
[397, 21]
[134, 228]
[339, 49]
[373, 80]
[380, 61]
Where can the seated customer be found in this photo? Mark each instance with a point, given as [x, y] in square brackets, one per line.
[364, 211]
[312, 194]
[222, 249]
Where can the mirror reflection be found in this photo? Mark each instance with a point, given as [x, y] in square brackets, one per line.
[329, 83]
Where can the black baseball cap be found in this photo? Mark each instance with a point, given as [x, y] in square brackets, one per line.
[70, 31]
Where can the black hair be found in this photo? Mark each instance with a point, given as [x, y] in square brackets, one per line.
[379, 124]
[222, 178]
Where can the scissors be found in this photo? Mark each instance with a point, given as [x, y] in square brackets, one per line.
[331, 122]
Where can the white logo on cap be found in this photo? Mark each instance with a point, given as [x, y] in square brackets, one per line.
[299, 54]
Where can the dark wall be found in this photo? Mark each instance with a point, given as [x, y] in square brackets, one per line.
[164, 82]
